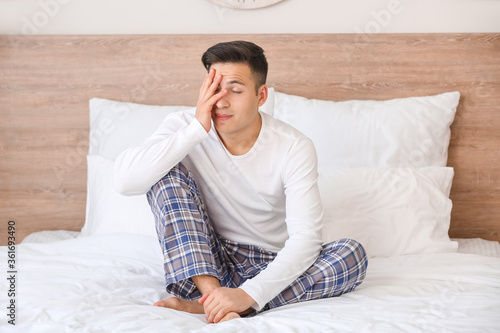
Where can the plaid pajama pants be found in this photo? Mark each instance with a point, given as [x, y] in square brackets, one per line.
[191, 247]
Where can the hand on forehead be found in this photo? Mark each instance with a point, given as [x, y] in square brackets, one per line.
[234, 73]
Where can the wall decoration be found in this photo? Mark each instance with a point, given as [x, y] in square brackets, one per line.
[245, 4]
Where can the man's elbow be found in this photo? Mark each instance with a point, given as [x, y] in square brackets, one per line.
[124, 183]
[121, 186]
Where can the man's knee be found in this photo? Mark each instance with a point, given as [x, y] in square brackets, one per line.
[356, 247]
[351, 252]
[177, 174]
[346, 244]
[176, 178]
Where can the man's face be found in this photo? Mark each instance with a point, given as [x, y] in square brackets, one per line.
[237, 111]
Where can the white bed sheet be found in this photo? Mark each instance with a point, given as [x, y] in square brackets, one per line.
[107, 283]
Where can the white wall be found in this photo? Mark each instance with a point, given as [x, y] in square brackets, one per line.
[289, 16]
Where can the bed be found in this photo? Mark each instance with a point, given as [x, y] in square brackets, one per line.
[413, 176]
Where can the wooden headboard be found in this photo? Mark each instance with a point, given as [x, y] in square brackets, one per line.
[46, 82]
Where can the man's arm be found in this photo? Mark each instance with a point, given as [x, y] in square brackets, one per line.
[140, 167]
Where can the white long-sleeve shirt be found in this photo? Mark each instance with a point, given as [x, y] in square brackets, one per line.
[267, 197]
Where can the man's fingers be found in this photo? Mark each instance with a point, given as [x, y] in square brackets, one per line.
[209, 78]
[210, 85]
[208, 305]
[212, 308]
[220, 314]
[216, 314]
[210, 314]
[215, 84]
[203, 298]
[215, 98]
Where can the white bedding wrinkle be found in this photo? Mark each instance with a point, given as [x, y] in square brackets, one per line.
[107, 283]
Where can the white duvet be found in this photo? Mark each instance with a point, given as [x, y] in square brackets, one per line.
[107, 283]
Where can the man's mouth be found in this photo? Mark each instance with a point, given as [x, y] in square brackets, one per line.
[222, 117]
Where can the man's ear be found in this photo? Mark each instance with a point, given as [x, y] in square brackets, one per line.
[262, 93]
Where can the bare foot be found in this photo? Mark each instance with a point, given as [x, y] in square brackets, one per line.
[230, 316]
[181, 305]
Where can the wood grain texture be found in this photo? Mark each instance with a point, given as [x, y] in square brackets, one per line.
[46, 82]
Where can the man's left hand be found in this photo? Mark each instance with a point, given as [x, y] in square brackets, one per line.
[221, 301]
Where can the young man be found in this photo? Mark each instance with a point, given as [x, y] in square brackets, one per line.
[236, 202]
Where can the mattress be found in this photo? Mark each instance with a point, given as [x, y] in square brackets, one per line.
[108, 283]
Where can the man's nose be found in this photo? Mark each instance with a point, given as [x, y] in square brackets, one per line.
[222, 103]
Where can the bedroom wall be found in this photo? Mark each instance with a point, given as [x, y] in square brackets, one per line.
[289, 16]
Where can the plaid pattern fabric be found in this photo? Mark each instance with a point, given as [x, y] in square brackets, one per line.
[339, 269]
[191, 247]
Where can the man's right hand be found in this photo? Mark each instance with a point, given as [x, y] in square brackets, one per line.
[208, 98]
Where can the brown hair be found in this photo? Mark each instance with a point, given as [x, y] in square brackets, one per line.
[239, 52]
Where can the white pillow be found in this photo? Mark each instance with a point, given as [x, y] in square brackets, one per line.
[268, 106]
[393, 211]
[107, 210]
[405, 132]
[115, 126]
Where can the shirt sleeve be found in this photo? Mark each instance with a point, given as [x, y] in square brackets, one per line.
[304, 214]
[138, 168]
